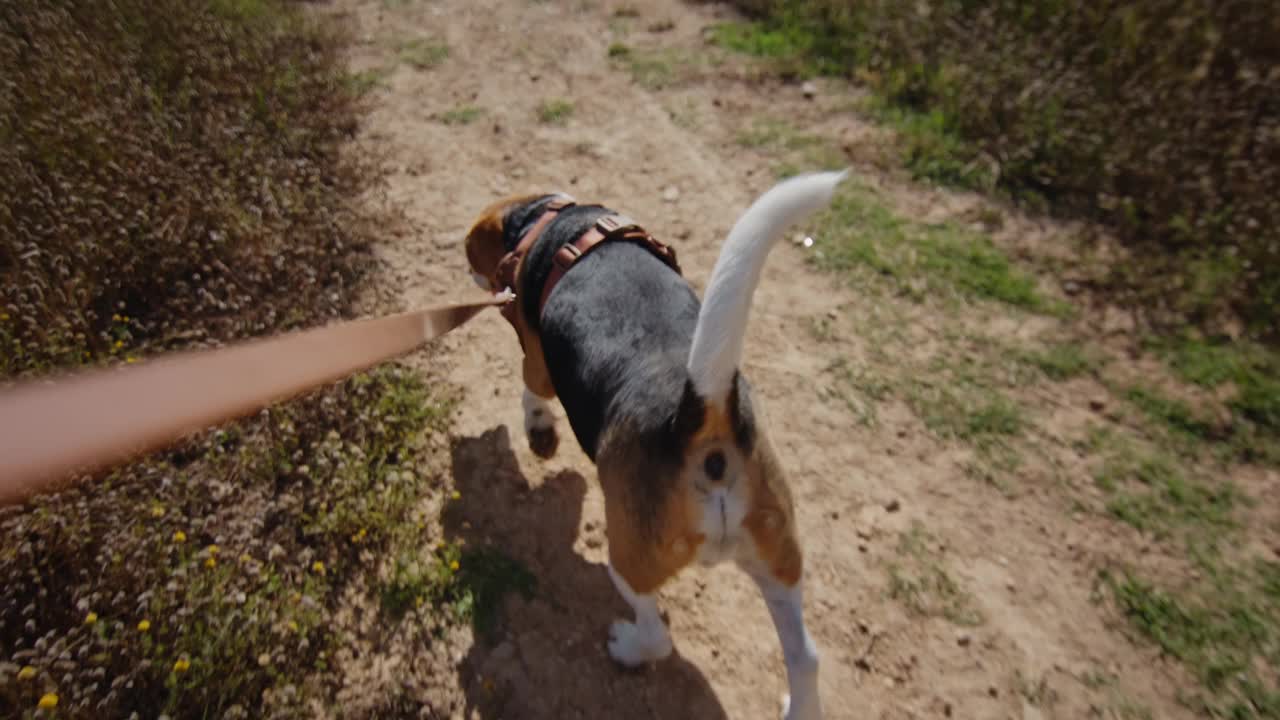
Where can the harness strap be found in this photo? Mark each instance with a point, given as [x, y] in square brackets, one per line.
[607, 228]
[504, 276]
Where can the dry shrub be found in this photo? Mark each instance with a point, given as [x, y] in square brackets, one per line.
[232, 548]
[169, 169]
[170, 174]
[1161, 118]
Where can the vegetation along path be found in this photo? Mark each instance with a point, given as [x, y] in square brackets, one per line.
[1013, 504]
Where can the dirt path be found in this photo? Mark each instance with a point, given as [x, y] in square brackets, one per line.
[1038, 644]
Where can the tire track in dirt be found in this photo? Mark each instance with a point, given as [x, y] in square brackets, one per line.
[1024, 561]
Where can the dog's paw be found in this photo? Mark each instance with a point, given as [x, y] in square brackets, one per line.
[804, 711]
[632, 645]
[544, 441]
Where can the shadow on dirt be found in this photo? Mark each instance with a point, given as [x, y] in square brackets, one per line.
[545, 656]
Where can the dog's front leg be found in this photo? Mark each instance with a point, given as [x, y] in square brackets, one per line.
[786, 607]
[646, 639]
[539, 425]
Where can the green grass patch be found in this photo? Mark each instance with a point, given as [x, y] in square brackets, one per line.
[858, 233]
[461, 115]
[366, 81]
[1171, 413]
[789, 45]
[1061, 361]
[918, 580]
[1224, 631]
[656, 69]
[423, 53]
[466, 585]
[556, 111]
[1152, 491]
[932, 149]
[856, 387]
[1253, 370]
[1246, 375]
[964, 412]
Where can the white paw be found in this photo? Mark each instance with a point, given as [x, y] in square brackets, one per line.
[537, 412]
[803, 711]
[633, 645]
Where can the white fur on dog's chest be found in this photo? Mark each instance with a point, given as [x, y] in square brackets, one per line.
[723, 512]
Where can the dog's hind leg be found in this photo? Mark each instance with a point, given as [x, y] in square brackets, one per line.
[642, 641]
[785, 604]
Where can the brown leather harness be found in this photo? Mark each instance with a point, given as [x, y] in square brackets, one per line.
[607, 228]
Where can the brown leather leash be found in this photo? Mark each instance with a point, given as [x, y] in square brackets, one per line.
[50, 430]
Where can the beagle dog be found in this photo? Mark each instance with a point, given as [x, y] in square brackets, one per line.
[649, 380]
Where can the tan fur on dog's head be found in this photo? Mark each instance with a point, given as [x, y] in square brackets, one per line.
[485, 246]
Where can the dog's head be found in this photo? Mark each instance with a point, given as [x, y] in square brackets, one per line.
[487, 242]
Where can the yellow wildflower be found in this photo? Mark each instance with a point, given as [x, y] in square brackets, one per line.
[456, 495]
[212, 549]
[116, 317]
[417, 602]
[144, 626]
[317, 567]
[119, 344]
[131, 359]
[293, 626]
[211, 562]
[157, 511]
[179, 537]
[182, 665]
[26, 673]
[4, 316]
[91, 618]
[48, 701]
[359, 536]
[453, 565]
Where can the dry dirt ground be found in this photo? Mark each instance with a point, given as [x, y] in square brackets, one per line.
[1021, 633]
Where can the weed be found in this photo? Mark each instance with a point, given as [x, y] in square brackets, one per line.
[461, 115]
[487, 576]
[424, 53]
[555, 112]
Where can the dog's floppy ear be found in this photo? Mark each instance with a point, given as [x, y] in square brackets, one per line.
[485, 241]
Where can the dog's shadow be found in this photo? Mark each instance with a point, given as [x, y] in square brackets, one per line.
[543, 655]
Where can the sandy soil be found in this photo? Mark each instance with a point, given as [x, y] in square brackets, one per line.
[1042, 646]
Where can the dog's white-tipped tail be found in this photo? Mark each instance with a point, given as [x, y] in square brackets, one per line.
[722, 322]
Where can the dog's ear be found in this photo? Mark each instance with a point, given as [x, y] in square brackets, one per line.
[485, 241]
